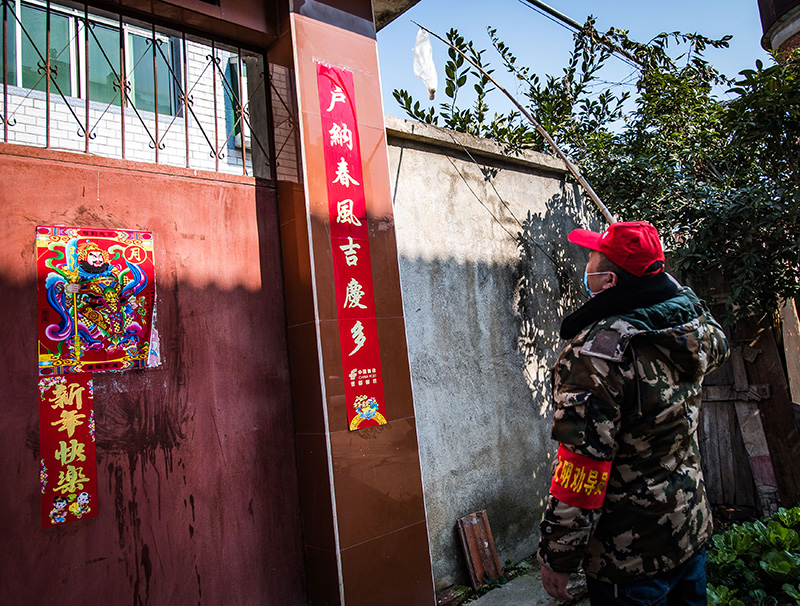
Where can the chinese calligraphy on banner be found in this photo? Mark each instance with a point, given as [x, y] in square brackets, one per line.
[96, 300]
[358, 327]
[68, 472]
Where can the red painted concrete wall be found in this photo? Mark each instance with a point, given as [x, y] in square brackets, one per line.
[198, 495]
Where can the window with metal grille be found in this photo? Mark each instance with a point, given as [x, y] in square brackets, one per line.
[132, 90]
[69, 46]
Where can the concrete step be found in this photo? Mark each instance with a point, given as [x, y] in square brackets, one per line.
[527, 590]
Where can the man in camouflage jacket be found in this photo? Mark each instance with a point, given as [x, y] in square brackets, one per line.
[627, 500]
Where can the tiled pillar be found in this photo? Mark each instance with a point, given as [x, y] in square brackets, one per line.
[364, 527]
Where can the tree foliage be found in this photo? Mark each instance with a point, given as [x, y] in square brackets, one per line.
[719, 177]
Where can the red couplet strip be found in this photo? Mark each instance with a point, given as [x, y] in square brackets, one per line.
[352, 266]
[68, 467]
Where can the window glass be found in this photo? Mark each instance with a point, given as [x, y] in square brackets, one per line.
[234, 98]
[35, 22]
[12, 47]
[231, 75]
[104, 64]
[143, 78]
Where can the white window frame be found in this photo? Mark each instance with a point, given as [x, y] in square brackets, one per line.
[19, 38]
[77, 48]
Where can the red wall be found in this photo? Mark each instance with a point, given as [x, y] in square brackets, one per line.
[198, 495]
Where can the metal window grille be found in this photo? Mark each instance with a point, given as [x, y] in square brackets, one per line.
[87, 81]
[286, 131]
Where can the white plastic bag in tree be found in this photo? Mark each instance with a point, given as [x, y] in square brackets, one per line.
[424, 67]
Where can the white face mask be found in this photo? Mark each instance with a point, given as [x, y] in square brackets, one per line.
[586, 281]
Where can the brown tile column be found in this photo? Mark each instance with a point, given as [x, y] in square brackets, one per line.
[365, 533]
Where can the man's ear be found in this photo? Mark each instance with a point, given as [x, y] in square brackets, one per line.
[612, 280]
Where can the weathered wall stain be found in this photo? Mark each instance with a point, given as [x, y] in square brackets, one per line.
[115, 477]
[144, 415]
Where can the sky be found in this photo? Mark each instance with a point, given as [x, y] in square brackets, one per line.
[544, 45]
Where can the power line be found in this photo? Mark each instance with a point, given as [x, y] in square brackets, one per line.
[543, 14]
[475, 162]
[550, 141]
[541, 6]
[499, 197]
[564, 21]
[496, 220]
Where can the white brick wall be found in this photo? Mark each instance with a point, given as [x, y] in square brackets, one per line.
[28, 109]
[285, 123]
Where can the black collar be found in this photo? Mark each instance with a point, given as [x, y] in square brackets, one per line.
[641, 292]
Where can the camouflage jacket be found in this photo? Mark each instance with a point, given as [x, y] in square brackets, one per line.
[627, 391]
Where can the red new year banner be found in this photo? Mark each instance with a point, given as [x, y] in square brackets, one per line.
[358, 328]
[68, 468]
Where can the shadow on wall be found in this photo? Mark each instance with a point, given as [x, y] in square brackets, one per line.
[482, 337]
[544, 297]
[483, 443]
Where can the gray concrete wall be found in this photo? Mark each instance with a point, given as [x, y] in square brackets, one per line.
[487, 274]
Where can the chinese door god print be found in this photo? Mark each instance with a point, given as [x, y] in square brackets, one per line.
[352, 266]
[96, 298]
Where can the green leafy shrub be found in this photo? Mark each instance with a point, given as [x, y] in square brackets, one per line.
[756, 563]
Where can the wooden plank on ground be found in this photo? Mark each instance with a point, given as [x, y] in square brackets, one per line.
[479, 550]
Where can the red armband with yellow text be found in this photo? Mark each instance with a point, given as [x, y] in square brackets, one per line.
[579, 481]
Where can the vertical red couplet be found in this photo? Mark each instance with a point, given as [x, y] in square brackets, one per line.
[358, 328]
[68, 468]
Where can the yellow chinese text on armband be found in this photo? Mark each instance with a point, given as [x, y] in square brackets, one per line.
[579, 481]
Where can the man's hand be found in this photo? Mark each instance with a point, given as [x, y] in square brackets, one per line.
[555, 583]
[72, 288]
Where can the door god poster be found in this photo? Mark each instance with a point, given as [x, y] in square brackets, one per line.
[96, 293]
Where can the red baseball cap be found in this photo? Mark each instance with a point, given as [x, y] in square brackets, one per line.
[634, 246]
